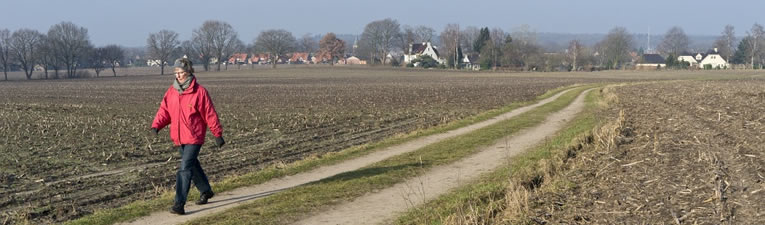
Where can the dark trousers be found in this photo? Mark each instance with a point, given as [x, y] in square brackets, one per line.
[190, 170]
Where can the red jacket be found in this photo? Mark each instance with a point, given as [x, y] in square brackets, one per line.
[188, 114]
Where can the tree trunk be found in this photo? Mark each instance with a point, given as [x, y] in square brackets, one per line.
[46, 72]
[5, 71]
[161, 69]
[573, 68]
[494, 60]
[273, 62]
[114, 71]
[28, 74]
[754, 51]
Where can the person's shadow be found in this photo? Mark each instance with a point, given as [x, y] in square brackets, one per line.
[338, 177]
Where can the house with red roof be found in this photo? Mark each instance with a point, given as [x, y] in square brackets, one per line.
[238, 58]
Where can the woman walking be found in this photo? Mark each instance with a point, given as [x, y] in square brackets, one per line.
[188, 109]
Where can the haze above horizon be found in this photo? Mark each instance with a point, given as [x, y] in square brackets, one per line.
[129, 23]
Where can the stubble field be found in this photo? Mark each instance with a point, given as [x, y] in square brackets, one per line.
[689, 152]
[73, 146]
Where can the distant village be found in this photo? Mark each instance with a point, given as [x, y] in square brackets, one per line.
[65, 51]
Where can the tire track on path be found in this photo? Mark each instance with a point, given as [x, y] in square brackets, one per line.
[385, 205]
[230, 199]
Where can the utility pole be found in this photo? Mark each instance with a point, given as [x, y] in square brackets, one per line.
[649, 40]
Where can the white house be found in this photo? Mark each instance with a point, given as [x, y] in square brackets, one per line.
[154, 62]
[712, 58]
[471, 61]
[691, 58]
[417, 50]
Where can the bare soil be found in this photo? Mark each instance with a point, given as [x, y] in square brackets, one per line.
[383, 206]
[690, 152]
[244, 195]
[71, 147]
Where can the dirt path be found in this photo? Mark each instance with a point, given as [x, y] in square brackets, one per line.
[385, 205]
[226, 200]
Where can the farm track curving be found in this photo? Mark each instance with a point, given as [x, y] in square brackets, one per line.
[74, 146]
[242, 195]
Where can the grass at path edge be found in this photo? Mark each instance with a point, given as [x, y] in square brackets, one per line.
[143, 208]
[485, 194]
[296, 203]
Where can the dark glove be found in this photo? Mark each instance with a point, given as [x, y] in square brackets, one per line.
[155, 131]
[219, 141]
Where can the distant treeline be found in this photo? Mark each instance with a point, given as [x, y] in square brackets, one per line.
[66, 47]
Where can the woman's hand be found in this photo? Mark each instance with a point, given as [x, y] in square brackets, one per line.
[219, 141]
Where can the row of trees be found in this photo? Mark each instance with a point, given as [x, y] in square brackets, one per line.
[216, 41]
[748, 50]
[65, 46]
[519, 48]
[494, 47]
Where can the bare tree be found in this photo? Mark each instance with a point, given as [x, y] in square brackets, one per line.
[201, 45]
[575, 49]
[468, 37]
[616, 46]
[497, 39]
[423, 34]
[450, 38]
[70, 44]
[675, 42]
[48, 58]
[726, 42]
[756, 33]
[25, 44]
[5, 50]
[308, 44]
[235, 47]
[332, 47]
[190, 50]
[382, 35]
[217, 39]
[523, 50]
[524, 34]
[276, 42]
[113, 56]
[161, 46]
[406, 38]
[96, 61]
[419, 34]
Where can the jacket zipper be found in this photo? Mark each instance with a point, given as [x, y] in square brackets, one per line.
[180, 118]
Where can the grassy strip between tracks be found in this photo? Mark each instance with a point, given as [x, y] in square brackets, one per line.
[290, 205]
[484, 199]
[142, 208]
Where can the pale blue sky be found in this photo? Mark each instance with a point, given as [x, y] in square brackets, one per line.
[128, 22]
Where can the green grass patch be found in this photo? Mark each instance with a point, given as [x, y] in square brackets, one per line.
[143, 208]
[289, 205]
[484, 194]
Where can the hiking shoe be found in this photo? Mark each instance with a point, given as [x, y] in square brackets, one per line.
[204, 197]
[177, 209]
